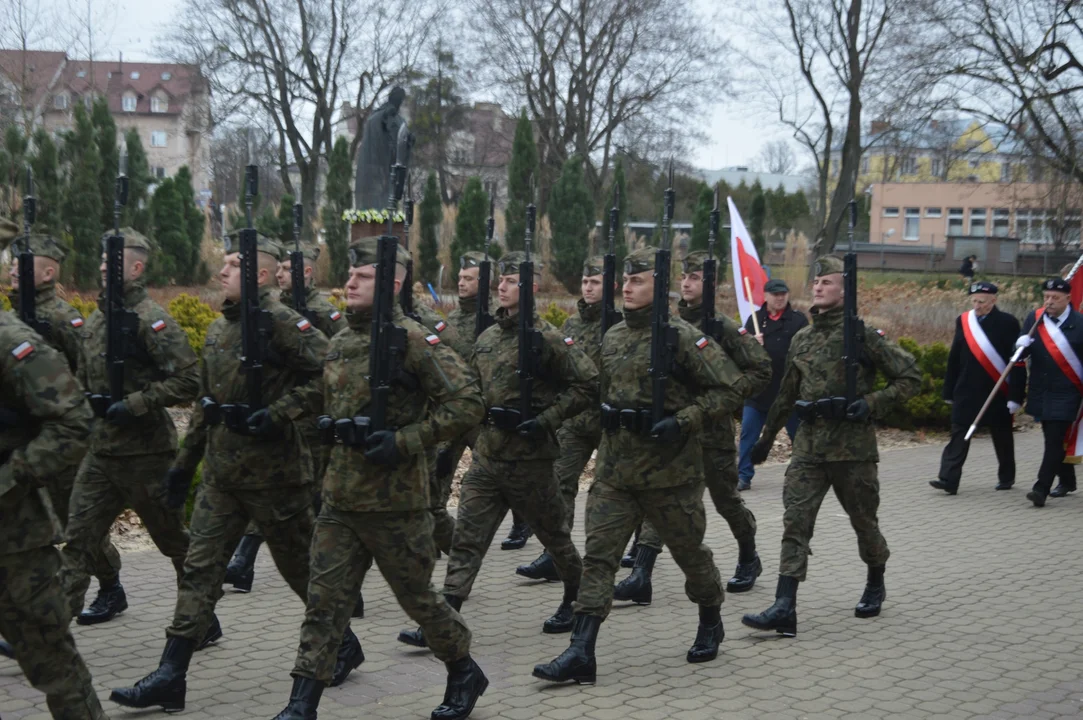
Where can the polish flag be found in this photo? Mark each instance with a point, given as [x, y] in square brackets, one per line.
[748, 276]
[1077, 291]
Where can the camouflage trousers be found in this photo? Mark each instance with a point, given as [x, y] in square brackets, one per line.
[321, 454]
[219, 517]
[34, 617]
[720, 470]
[612, 517]
[104, 564]
[575, 452]
[858, 490]
[104, 486]
[401, 544]
[488, 490]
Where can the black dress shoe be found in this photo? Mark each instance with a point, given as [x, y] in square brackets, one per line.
[1003, 485]
[1037, 497]
[1061, 491]
[110, 602]
[945, 486]
[542, 568]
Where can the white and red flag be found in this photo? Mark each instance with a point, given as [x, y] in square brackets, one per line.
[748, 276]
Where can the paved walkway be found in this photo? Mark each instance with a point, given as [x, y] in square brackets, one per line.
[983, 620]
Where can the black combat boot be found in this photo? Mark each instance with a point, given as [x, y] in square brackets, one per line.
[543, 568]
[782, 616]
[561, 621]
[350, 655]
[518, 534]
[213, 634]
[748, 568]
[165, 686]
[637, 586]
[577, 662]
[873, 597]
[709, 635]
[242, 566]
[359, 607]
[304, 699]
[110, 602]
[416, 638]
[465, 684]
[629, 559]
[6, 650]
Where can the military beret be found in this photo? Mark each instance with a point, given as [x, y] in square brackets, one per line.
[593, 266]
[309, 252]
[264, 244]
[474, 258]
[364, 251]
[987, 288]
[43, 245]
[1057, 285]
[640, 260]
[133, 240]
[776, 285]
[828, 265]
[693, 261]
[509, 264]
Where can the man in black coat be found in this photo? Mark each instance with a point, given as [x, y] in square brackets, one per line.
[1056, 382]
[984, 342]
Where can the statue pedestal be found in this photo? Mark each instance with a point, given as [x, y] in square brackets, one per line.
[366, 229]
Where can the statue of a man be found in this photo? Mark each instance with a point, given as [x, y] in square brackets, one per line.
[374, 157]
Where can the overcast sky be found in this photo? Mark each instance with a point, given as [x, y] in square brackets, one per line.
[735, 134]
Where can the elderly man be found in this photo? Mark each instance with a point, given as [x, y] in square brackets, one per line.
[984, 338]
[778, 322]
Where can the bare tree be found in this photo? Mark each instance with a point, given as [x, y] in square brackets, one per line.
[585, 68]
[91, 24]
[24, 25]
[777, 157]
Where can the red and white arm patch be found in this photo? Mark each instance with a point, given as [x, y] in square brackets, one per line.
[22, 351]
[569, 341]
[304, 325]
[335, 315]
[77, 322]
[702, 342]
[440, 326]
[432, 339]
[158, 325]
[743, 331]
[880, 332]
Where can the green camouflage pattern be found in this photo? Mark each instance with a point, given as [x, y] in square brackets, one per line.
[327, 318]
[434, 322]
[815, 369]
[575, 452]
[103, 564]
[584, 327]
[163, 372]
[463, 319]
[65, 322]
[292, 390]
[702, 390]
[445, 404]
[566, 384]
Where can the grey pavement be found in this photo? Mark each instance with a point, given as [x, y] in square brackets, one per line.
[983, 620]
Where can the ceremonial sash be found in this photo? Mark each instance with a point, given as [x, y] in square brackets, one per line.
[982, 349]
[1064, 356]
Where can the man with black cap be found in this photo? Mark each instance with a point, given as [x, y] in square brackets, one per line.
[778, 323]
[1056, 384]
[984, 340]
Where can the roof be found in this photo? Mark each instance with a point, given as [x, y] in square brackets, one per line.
[117, 78]
[734, 176]
[938, 133]
[41, 69]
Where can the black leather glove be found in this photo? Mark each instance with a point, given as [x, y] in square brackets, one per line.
[381, 448]
[532, 429]
[666, 430]
[177, 481]
[118, 414]
[443, 463]
[858, 410]
[760, 451]
[261, 423]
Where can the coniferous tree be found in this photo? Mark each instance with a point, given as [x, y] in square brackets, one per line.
[46, 165]
[571, 215]
[167, 215]
[702, 218]
[105, 135]
[431, 214]
[285, 220]
[194, 271]
[521, 170]
[757, 218]
[137, 214]
[336, 201]
[470, 223]
[82, 208]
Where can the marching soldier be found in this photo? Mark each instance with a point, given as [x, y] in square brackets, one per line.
[719, 450]
[835, 447]
[652, 471]
[984, 339]
[257, 467]
[133, 441]
[578, 436]
[375, 495]
[1056, 384]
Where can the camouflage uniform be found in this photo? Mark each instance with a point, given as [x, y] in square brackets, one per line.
[50, 436]
[126, 464]
[327, 318]
[373, 511]
[511, 471]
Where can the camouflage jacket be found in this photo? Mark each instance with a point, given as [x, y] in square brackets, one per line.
[292, 390]
[65, 322]
[49, 436]
[160, 371]
[434, 322]
[815, 370]
[326, 317]
[445, 403]
[584, 328]
[751, 359]
[566, 384]
[702, 390]
[463, 320]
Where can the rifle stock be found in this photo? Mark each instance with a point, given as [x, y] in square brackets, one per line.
[121, 324]
[388, 340]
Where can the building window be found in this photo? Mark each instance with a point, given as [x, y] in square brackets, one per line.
[936, 167]
[1000, 222]
[891, 212]
[974, 164]
[1031, 227]
[81, 74]
[1034, 173]
[911, 223]
[88, 101]
[932, 212]
[490, 188]
[158, 105]
[1071, 227]
[977, 222]
[135, 75]
[1005, 172]
[865, 165]
[158, 173]
[60, 102]
[158, 138]
[166, 76]
[908, 166]
[955, 222]
[128, 103]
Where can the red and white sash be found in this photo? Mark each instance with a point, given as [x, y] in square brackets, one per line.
[1064, 356]
[982, 349]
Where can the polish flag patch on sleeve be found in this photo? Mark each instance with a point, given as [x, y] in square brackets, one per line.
[432, 339]
[22, 351]
[303, 324]
[77, 322]
[440, 326]
[702, 342]
[881, 333]
[158, 325]
[335, 315]
[743, 331]
[569, 341]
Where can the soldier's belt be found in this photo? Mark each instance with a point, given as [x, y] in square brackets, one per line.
[99, 403]
[351, 431]
[638, 421]
[503, 418]
[233, 415]
[831, 408]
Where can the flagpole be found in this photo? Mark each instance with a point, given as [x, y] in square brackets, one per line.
[748, 296]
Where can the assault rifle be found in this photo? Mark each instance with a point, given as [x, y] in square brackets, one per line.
[853, 335]
[530, 339]
[256, 323]
[406, 293]
[712, 326]
[482, 317]
[663, 335]
[297, 267]
[28, 310]
[609, 266]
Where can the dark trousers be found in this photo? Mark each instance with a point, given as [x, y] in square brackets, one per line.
[951, 461]
[1054, 432]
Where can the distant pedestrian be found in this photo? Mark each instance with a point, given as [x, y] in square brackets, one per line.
[969, 267]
